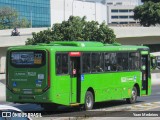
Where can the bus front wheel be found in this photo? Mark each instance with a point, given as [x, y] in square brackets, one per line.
[89, 100]
[133, 96]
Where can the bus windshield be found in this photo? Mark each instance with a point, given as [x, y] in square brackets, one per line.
[27, 58]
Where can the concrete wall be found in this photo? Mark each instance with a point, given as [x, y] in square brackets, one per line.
[124, 2]
[2, 59]
[125, 32]
[137, 35]
[62, 9]
[124, 35]
[119, 14]
[6, 40]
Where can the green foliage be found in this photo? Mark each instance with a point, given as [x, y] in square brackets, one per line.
[9, 19]
[23, 23]
[155, 1]
[41, 37]
[75, 29]
[148, 14]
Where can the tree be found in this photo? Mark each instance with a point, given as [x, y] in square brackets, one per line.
[155, 1]
[75, 29]
[23, 23]
[9, 19]
[149, 13]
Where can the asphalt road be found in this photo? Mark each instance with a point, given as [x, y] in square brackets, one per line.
[155, 96]
[109, 109]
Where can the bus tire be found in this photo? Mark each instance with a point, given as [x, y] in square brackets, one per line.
[133, 97]
[89, 100]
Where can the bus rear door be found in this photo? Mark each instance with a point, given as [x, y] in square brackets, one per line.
[75, 82]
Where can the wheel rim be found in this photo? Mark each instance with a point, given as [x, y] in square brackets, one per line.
[133, 94]
[89, 101]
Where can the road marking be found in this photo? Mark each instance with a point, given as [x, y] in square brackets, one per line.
[136, 107]
[145, 106]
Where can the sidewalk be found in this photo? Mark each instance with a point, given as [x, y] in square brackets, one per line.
[2, 76]
[155, 79]
[2, 88]
[2, 92]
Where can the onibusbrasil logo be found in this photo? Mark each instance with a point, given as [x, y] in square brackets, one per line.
[20, 114]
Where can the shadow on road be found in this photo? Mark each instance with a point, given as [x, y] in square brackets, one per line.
[65, 111]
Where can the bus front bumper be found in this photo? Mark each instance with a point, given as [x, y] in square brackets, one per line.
[18, 98]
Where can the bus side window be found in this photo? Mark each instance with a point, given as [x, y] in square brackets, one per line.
[61, 63]
[134, 61]
[122, 61]
[97, 62]
[64, 64]
[86, 63]
[58, 63]
[107, 66]
[110, 61]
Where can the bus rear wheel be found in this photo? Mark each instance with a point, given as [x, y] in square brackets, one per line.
[89, 101]
[133, 96]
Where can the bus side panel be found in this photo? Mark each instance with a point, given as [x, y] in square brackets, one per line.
[62, 89]
[102, 84]
[110, 86]
[60, 85]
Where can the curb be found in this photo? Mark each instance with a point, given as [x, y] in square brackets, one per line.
[3, 92]
[155, 78]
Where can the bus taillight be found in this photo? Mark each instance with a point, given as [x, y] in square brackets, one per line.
[75, 54]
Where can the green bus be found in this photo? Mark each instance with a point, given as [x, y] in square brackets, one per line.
[77, 73]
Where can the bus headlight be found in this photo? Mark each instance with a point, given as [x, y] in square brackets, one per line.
[16, 90]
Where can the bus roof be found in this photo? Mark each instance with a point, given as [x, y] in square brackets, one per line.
[80, 46]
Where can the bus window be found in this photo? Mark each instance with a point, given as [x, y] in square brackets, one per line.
[65, 63]
[107, 66]
[86, 63]
[110, 61]
[134, 61]
[97, 62]
[62, 63]
[122, 62]
[58, 64]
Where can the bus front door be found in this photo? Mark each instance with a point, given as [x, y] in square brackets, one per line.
[145, 74]
[75, 82]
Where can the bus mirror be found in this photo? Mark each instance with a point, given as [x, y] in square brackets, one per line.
[143, 67]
